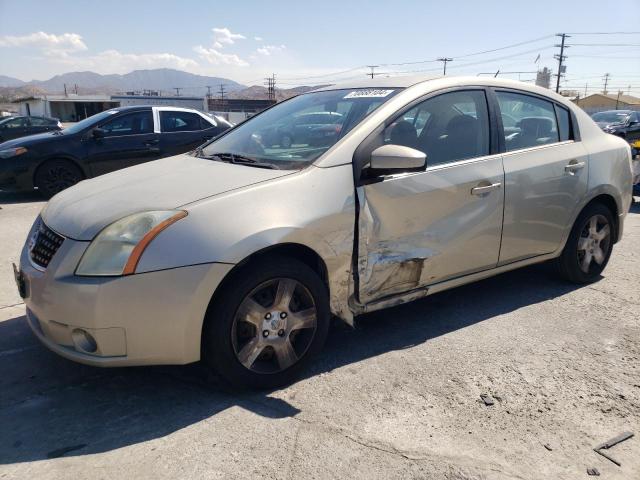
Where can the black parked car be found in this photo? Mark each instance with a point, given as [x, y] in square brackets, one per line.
[107, 141]
[15, 127]
[623, 123]
[314, 129]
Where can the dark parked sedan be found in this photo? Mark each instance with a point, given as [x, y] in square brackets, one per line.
[623, 123]
[15, 127]
[108, 141]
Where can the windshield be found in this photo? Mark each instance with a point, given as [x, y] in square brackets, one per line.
[88, 122]
[294, 133]
[611, 117]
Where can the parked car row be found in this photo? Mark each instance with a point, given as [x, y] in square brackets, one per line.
[21, 126]
[238, 252]
[108, 141]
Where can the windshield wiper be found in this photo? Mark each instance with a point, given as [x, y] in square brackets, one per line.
[241, 160]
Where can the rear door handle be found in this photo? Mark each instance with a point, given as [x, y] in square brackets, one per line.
[485, 189]
[573, 167]
[151, 142]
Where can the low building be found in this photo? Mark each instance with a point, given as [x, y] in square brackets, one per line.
[66, 108]
[199, 103]
[599, 102]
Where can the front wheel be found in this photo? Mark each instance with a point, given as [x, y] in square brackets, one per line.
[589, 246]
[53, 176]
[265, 325]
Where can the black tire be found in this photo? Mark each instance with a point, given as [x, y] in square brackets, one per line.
[53, 176]
[219, 345]
[572, 257]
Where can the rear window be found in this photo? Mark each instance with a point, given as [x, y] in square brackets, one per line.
[180, 121]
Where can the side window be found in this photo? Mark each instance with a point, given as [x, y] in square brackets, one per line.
[527, 121]
[452, 126]
[179, 121]
[16, 123]
[131, 124]
[564, 124]
[204, 124]
[38, 122]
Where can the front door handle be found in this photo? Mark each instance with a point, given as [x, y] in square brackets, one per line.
[573, 167]
[484, 189]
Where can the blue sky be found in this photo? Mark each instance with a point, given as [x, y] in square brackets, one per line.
[246, 40]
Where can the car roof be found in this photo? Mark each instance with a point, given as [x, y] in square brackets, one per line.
[423, 82]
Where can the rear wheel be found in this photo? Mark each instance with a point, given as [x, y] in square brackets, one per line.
[267, 322]
[589, 246]
[53, 176]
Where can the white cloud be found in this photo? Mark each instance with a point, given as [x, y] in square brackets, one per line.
[270, 49]
[49, 43]
[215, 57]
[223, 36]
[257, 39]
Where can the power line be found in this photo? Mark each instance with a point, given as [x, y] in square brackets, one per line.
[606, 45]
[604, 33]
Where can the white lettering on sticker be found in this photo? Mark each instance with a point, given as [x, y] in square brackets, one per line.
[370, 93]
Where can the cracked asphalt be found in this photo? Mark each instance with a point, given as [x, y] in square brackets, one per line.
[398, 397]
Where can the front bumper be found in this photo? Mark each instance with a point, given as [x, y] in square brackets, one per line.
[144, 319]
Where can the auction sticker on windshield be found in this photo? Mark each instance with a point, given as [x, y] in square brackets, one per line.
[371, 93]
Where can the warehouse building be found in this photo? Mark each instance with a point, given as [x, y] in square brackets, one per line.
[599, 102]
[66, 108]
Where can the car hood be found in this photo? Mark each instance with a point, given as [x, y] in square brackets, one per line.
[30, 140]
[81, 211]
[609, 125]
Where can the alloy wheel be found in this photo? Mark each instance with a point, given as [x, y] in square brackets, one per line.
[274, 326]
[58, 178]
[593, 243]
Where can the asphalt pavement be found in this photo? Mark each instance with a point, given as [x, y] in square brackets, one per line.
[399, 396]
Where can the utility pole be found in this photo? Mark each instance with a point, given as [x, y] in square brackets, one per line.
[222, 92]
[76, 88]
[445, 60]
[618, 99]
[271, 87]
[586, 85]
[208, 92]
[65, 89]
[177, 89]
[561, 58]
[606, 82]
[372, 67]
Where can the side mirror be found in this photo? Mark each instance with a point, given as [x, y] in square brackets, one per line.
[98, 133]
[398, 158]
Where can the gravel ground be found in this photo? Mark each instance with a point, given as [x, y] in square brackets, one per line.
[398, 397]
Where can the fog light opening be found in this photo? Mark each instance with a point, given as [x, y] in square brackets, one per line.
[84, 341]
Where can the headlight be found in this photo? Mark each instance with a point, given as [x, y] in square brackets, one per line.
[12, 152]
[118, 248]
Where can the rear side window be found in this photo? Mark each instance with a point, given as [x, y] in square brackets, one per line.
[450, 127]
[180, 121]
[527, 121]
[38, 122]
[564, 124]
[131, 124]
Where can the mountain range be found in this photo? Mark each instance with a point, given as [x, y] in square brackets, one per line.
[162, 79]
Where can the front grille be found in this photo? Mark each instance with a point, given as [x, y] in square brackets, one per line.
[46, 243]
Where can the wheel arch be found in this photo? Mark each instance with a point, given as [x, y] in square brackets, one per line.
[298, 251]
[66, 158]
[609, 201]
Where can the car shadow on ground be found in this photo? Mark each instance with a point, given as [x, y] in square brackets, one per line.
[51, 407]
[8, 198]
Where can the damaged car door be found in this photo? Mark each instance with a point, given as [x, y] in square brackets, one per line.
[417, 228]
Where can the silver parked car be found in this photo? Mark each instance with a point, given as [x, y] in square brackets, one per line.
[239, 252]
